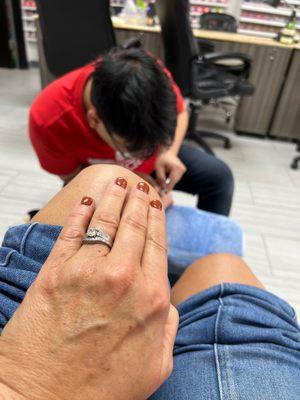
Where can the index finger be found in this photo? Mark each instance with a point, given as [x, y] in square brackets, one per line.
[70, 239]
[155, 257]
[173, 178]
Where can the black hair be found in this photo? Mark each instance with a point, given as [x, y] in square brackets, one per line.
[134, 98]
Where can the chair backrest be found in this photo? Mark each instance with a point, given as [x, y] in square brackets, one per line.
[180, 46]
[74, 32]
[218, 22]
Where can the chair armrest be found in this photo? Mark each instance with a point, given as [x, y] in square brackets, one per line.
[212, 57]
[241, 62]
[131, 43]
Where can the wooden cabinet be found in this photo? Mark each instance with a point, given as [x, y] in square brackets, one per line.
[287, 117]
[276, 94]
[269, 67]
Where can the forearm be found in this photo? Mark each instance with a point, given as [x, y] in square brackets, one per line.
[181, 129]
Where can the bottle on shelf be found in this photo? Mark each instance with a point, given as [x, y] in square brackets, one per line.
[287, 35]
[150, 13]
[140, 4]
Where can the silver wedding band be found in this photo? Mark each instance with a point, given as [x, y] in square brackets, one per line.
[97, 236]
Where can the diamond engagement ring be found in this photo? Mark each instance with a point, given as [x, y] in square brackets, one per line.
[97, 236]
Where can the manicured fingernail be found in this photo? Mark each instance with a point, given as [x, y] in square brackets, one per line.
[87, 201]
[156, 204]
[121, 182]
[143, 187]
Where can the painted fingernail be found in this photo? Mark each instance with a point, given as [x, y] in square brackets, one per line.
[143, 187]
[121, 182]
[156, 204]
[87, 201]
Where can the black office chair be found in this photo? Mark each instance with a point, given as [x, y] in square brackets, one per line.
[74, 32]
[218, 22]
[201, 78]
[296, 160]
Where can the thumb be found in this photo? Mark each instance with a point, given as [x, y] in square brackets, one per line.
[171, 329]
[160, 174]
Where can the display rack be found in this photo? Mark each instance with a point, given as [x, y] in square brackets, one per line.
[29, 27]
[256, 19]
[197, 7]
[262, 20]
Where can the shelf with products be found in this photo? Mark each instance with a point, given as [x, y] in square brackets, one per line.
[262, 20]
[244, 30]
[258, 21]
[28, 5]
[209, 3]
[197, 8]
[293, 2]
[29, 29]
[28, 16]
[264, 9]
[31, 40]
[117, 3]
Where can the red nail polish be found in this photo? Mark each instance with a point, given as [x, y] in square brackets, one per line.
[156, 204]
[87, 201]
[143, 187]
[121, 182]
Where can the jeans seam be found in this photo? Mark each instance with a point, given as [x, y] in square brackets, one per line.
[29, 229]
[6, 261]
[216, 342]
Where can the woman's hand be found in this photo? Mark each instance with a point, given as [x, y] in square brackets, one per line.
[97, 323]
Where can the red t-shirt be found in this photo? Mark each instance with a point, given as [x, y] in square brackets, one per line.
[60, 133]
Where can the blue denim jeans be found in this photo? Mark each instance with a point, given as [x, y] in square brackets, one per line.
[191, 235]
[234, 342]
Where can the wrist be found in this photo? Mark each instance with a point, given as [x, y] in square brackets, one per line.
[6, 393]
[172, 151]
[17, 380]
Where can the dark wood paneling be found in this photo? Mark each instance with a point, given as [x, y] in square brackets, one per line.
[150, 41]
[269, 66]
[287, 119]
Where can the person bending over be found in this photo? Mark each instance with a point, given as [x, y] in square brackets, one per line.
[125, 109]
[97, 322]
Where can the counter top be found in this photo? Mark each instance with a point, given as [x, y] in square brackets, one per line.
[212, 35]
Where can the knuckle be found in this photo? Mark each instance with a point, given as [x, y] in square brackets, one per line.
[49, 282]
[119, 279]
[137, 222]
[157, 241]
[107, 218]
[160, 301]
[83, 274]
[71, 233]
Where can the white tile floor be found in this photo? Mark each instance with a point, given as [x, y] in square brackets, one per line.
[266, 203]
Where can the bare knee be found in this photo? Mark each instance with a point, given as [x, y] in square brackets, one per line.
[210, 271]
[91, 181]
[104, 173]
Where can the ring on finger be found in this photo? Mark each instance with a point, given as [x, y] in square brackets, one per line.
[97, 236]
